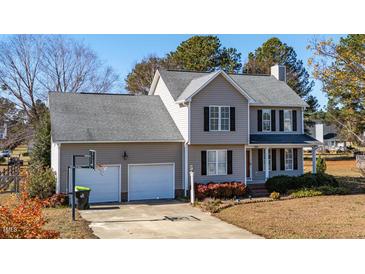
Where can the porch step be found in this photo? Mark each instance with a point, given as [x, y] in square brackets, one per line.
[258, 190]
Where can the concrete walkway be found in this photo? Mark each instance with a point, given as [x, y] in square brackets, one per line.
[164, 220]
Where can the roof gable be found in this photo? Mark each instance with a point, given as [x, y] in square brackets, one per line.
[198, 84]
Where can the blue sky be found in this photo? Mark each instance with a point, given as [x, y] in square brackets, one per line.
[123, 51]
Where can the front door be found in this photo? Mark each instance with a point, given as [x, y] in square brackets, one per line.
[248, 165]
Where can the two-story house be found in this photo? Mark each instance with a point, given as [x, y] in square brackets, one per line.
[226, 127]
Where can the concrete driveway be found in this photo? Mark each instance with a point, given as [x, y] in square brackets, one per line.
[163, 220]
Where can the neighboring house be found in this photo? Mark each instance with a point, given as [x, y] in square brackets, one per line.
[3, 131]
[328, 134]
[226, 127]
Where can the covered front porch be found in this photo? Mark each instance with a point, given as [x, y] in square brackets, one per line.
[267, 157]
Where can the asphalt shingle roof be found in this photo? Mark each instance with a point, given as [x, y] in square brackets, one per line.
[295, 139]
[106, 117]
[265, 90]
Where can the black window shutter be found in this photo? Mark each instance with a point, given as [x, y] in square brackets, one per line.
[281, 119]
[273, 159]
[204, 162]
[206, 118]
[295, 158]
[282, 159]
[232, 117]
[259, 120]
[260, 163]
[229, 162]
[273, 120]
[294, 114]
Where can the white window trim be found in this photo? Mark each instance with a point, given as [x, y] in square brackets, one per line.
[291, 120]
[270, 159]
[292, 159]
[220, 117]
[262, 118]
[216, 162]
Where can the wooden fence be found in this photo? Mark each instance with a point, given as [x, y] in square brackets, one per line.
[9, 175]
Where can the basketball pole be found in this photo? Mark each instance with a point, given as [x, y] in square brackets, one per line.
[92, 163]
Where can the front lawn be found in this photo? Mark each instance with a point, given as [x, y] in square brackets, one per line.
[59, 219]
[337, 168]
[315, 217]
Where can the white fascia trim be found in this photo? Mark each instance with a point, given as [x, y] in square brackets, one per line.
[303, 109]
[99, 142]
[228, 78]
[189, 122]
[248, 122]
[58, 182]
[156, 77]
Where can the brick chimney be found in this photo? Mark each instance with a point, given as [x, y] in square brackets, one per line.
[279, 72]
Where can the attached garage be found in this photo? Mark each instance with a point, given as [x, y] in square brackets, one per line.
[151, 181]
[104, 183]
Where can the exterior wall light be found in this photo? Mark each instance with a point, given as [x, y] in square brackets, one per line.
[125, 155]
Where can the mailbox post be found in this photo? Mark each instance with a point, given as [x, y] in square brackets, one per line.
[192, 188]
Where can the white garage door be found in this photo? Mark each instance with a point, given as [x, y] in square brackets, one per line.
[104, 183]
[151, 181]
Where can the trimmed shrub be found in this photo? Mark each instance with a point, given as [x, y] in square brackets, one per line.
[306, 193]
[330, 190]
[226, 190]
[2, 160]
[324, 179]
[321, 165]
[41, 183]
[282, 183]
[275, 195]
[279, 183]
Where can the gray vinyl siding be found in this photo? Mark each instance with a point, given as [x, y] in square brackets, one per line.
[219, 92]
[238, 160]
[253, 120]
[138, 153]
[260, 175]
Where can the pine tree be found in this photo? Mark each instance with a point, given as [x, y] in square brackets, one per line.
[198, 53]
[41, 153]
[273, 52]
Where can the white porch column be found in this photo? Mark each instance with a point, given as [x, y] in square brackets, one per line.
[245, 165]
[266, 163]
[186, 168]
[314, 160]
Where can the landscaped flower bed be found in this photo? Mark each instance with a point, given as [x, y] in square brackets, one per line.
[224, 190]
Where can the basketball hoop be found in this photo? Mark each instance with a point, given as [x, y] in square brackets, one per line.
[101, 168]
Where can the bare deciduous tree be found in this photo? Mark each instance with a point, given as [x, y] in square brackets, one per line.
[33, 65]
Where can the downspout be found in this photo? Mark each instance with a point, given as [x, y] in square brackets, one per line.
[248, 142]
[186, 152]
[303, 109]
[56, 163]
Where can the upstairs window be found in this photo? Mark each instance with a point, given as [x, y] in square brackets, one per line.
[288, 120]
[266, 120]
[219, 118]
